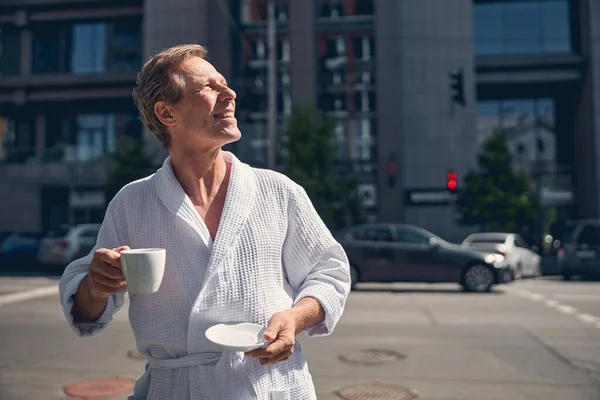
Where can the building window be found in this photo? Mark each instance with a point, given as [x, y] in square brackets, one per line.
[364, 143]
[89, 136]
[526, 123]
[336, 47]
[365, 7]
[334, 102]
[283, 49]
[17, 140]
[522, 27]
[364, 101]
[363, 48]
[10, 51]
[256, 11]
[284, 78]
[259, 49]
[331, 9]
[88, 51]
[88, 48]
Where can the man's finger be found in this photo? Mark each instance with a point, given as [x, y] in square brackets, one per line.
[271, 332]
[272, 350]
[106, 270]
[108, 256]
[278, 358]
[106, 281]
[106, 291]
[120, 249]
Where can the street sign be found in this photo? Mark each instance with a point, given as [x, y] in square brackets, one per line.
[428, 197]
[367, 193]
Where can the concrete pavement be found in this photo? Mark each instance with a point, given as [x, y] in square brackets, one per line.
[453, 345]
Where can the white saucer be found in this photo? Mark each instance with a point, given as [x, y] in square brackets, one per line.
[237, 337]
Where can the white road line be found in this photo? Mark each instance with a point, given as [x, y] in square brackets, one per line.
[536, 296]
[558, 306]
[551, 303]
[588, 318]
[577, 297]
[566, 309]
[28, 295]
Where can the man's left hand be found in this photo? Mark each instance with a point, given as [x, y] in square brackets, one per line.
[281, 330]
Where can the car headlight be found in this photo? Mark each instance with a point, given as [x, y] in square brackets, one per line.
[492, 258]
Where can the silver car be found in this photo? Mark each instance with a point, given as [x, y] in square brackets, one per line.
[64, 244]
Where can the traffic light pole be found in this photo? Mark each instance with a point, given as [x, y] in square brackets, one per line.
[272, 86]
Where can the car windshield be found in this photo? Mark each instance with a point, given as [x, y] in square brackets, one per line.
[57, 233]
[486, 240]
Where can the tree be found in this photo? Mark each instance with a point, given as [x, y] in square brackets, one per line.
[130, 162]
[309, 151]
[496, 197]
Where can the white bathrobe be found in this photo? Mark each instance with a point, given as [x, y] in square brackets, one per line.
[271, 250]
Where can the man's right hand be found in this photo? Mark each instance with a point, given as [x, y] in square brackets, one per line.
[104, 273]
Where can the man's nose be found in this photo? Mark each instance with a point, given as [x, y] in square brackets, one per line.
[228, 94]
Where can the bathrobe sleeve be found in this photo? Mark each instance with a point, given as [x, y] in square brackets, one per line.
[77, 270]
[315, 263]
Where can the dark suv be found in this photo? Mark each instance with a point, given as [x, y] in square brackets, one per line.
[579, 253]
[404, 253]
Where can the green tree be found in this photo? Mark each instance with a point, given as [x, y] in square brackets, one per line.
[309, 152]
[130, 162]
[496, 196]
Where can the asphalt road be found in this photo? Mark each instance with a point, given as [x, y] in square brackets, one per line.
[533, 339]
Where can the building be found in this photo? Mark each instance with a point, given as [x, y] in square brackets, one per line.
[384, 68]
[66, 73]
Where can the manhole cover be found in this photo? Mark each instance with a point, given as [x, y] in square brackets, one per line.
[372, 356]
[98, 388]
[135, 355]
[377, 391]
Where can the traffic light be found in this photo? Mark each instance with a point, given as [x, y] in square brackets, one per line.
[457, 87]
[451, 181]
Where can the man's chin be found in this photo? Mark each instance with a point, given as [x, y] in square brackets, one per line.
[232, 134]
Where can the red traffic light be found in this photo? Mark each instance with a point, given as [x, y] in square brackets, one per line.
[451, 181]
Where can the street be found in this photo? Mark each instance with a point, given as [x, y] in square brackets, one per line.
[532, 339]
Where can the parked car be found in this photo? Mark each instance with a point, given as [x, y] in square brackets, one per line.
[579, 253]
[64, 244]
[517, 253]
[405, 253]
[18, 250]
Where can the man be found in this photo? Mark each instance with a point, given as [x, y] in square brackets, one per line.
[243, 245]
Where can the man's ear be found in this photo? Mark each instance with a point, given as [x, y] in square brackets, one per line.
[164, 113]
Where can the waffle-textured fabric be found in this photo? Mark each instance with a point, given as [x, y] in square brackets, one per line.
[271, 250]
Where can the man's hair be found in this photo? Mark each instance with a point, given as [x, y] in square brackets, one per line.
[158, 81]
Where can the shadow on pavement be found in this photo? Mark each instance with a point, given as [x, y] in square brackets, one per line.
[30, 271]
[495, 291]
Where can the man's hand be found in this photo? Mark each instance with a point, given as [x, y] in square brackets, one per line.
[104, 279]
[281, 330]
[104, 273]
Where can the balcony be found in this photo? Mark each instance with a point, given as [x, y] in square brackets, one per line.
[339, 13]
[56, 173]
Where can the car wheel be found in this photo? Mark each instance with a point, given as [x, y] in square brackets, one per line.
[478, 278]
[353, 276]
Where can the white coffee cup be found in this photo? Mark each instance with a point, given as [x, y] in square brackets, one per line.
[143, 269]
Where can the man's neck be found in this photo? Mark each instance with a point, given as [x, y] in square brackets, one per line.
[200, 175]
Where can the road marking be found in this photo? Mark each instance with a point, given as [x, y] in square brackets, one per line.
[557, 305]
[577, 297]
[28, 295]
[566, 309]
[588, 318]
[551, 303]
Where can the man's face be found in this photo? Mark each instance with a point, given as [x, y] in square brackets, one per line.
[204, 117]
